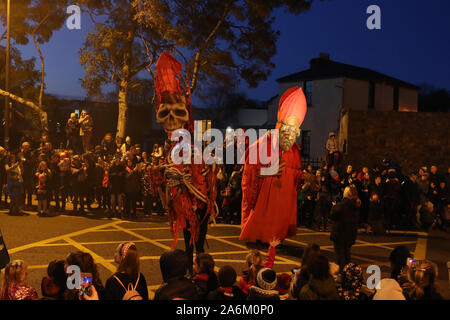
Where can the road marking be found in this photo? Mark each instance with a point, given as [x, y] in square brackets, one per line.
[98, 259]
[61, 237]
[163, 246]
[331, 249]
[244, 247]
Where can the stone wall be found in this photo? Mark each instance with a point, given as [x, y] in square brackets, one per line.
[412, 139]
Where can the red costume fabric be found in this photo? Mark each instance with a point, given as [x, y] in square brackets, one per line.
[269, 203]
[183, 183]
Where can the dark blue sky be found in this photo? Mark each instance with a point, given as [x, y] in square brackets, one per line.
[413, 44]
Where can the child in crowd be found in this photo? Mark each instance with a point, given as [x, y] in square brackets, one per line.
[227, 290]
[351, 285]
[255, 263]
[422, 276]
[43, 177]
[14, 286]
[301, 275]
[54, 284]
[265, 285]
[376, 213]
[174, 266]
[321, 285]
[128, 273]
[86, 263]
[205, 278]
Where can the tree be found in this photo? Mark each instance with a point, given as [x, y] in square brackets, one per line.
[37, 19]
[433, 100]
[218, 41]
[113, 53]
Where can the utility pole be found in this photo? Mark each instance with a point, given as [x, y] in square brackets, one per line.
[7, 69]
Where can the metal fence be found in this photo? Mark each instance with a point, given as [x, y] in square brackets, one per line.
[316, 163]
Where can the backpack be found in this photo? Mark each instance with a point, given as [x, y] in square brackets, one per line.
[131, 293]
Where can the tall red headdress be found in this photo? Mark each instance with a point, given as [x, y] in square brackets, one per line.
[169, 79]
[292, 103]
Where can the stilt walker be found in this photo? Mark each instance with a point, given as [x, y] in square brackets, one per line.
[190, 190]
[269, 203]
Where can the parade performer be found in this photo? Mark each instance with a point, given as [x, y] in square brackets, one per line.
[190, 190]
[269, 203]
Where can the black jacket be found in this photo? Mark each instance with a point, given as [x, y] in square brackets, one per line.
[235, 295]
[114, 291]
[117, 179]
[205, 286]
[182, 288]
[346, 218]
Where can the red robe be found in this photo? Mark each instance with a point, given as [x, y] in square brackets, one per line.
[269, 209]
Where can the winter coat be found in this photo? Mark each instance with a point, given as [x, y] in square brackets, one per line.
[132, 182]
[181, 288]
[319, 290]
[205, 283]
[346, 218]
[117, 179]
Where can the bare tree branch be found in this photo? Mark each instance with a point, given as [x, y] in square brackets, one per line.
[205, 44]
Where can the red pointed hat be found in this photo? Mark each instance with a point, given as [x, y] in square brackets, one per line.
[292, 103]
[168, 76]
[170, 80]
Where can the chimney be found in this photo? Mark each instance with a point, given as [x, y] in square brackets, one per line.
[324, 56]
[322, 60]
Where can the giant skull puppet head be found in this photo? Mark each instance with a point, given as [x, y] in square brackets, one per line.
[173, 112]
[174, 108]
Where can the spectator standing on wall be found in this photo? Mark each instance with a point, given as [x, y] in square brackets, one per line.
[86, 127]
[72, 132]
[332, 147]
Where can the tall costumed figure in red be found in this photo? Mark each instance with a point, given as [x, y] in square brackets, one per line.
[269, 202]
[190, 189]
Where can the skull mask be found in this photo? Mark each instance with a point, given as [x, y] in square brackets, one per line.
[172, 113]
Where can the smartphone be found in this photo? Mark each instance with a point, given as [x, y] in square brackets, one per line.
[409, 262]
[85, 284]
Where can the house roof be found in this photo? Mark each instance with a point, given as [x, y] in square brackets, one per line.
[324, 68]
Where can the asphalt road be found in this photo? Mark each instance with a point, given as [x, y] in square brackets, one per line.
[38, 240]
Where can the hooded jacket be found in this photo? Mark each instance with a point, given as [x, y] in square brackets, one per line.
[319, 290]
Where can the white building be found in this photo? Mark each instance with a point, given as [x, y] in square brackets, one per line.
[331, 86]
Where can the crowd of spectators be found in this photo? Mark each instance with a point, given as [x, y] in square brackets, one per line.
[316, 278]
[387, 199]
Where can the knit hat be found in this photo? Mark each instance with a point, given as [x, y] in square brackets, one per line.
[227, 276]
[351, 282]
[266, 279]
